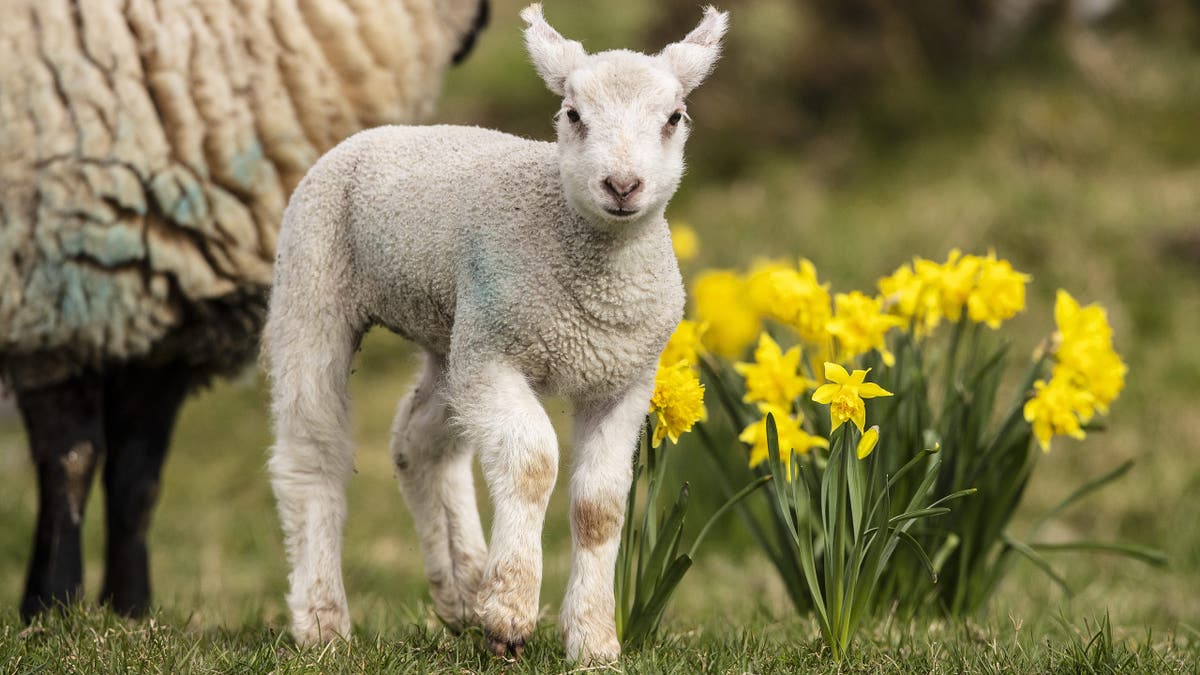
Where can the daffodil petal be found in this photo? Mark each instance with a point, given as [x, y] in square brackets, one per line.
[750, 433]
[758, 455]
[859, 418]
[825, 393]
[835, 373]
[872, 390]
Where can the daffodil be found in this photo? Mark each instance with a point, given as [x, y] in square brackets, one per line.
[792, 438]
[1058, 408]
[867, 443]
[860, 325]
[956, 282]
[912, 293]
[999, 292]
[1085, 353]
[793, 297]
[844, 395]
[772, 378]
[677, 402]
[685, 241]
[685, 344]
[719, 299]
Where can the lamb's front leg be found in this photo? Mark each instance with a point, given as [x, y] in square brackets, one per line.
[502, 418]
[606, 434]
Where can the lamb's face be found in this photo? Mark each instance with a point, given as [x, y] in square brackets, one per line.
[621, 131]
[623, 122]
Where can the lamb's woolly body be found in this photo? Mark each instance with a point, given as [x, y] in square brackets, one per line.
[147, 150]
[523, 269]
[443, 231]
[462, 240]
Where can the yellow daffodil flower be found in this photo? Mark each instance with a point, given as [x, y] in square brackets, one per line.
[792, 438]
[772, 378]
[677, 402]
[957, 280]
[844, 395]
[1057, 409]
[719, 299]
[685, 241]
[793, 297]
[867, 443]
[685, 344]
[1085, 351]
[914, 296]
[999, 292]
[860, 325]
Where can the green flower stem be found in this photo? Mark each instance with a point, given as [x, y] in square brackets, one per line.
[735, 411]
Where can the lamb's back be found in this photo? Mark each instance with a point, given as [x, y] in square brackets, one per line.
[420, 201]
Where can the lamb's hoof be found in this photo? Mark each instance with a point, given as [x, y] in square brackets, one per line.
[601, 655]
[321, 625]
[505, 649]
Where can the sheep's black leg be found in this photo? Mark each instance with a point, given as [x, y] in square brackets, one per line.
[65, 426]
[139, 413]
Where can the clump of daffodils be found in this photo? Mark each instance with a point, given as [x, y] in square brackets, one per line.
[893, 368]
[913, 369]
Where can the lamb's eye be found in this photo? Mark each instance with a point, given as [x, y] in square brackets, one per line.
[674, 118]
[573, 116]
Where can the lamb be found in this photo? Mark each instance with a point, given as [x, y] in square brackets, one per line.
[146, 153]
[521, 269]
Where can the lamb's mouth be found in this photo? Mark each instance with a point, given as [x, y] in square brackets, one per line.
[620, 213]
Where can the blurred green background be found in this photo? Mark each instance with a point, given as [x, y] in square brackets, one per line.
[856, 133]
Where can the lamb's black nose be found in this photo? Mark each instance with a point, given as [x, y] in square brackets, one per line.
[622, 189]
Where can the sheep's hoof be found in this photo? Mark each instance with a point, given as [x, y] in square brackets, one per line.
[504, 649]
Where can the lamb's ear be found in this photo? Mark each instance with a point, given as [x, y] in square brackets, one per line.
[553, 55]
[693, 58]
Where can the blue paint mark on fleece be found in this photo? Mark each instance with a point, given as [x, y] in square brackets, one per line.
[74, 306]
[121, 245]
[190, 208]
[245, 165]
[482, 278]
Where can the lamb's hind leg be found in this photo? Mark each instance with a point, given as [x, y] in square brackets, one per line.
[310, 464]
[433, 466]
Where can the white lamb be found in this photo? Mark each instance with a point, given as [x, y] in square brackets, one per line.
[522, 268]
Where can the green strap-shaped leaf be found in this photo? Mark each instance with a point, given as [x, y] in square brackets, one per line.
[729, 503]
[646, 621]
[920, 551]
[1081, 492]
[1146, 554]
[1037, 559]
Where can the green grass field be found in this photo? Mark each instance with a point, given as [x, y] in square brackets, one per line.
[1080, 166]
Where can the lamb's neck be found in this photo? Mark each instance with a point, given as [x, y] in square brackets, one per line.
[615, 274]
[623, 249]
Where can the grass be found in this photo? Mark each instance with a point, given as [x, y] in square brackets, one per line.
[1080, 166]
[89, 641]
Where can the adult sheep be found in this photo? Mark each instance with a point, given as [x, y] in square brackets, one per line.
[146, 153]
[521, 268]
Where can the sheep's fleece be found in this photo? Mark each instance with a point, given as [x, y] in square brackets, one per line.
[147, 149]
